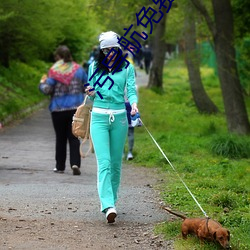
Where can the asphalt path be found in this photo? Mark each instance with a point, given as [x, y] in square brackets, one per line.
[31, 190]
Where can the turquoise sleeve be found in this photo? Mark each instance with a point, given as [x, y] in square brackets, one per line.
[131, 85]
[91, 83]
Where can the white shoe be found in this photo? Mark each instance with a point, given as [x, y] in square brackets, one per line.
[130, 156]
[76, 170]
[111, 214]
[58, 171]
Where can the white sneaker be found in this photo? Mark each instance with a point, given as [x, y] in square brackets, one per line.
[58, 171]
[111, 214]
[76, 170]
[130, 156]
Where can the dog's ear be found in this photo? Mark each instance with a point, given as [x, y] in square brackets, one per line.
[228, 237]
[214, 235]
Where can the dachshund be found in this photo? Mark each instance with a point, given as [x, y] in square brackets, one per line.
[204, 229]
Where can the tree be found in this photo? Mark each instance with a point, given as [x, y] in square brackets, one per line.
[223, 37]
[242, 32]
[241, 17]
[24, 32]
[159, 50]
[116, 15]
[28, 33]
[159, 47]
[201, 99]
[124, 19]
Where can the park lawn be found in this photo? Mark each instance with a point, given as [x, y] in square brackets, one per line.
[193, 143]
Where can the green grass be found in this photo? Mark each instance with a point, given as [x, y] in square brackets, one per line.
[19, 88]
[214, 164]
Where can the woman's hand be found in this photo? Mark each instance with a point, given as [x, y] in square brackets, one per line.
[43, 79]
[88, 92]
[134, 109]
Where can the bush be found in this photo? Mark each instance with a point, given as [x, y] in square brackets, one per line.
[231, 146]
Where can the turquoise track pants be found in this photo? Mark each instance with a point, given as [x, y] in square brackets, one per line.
[108, 138]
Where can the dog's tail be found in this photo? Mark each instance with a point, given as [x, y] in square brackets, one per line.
[175, 213]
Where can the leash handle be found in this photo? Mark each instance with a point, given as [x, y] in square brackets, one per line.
[174, 170]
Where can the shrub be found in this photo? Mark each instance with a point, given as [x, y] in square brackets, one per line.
[231, 146]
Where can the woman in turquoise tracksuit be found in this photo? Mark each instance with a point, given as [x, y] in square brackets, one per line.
[109, 123]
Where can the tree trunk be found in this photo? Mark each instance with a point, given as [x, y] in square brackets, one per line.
[223, 37]
[201, 99]
[235, 109]
[159, 50]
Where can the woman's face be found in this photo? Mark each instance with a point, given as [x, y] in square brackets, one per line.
[107, 50]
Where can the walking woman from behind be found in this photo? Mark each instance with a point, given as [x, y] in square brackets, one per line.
[109, 123]
[65, 85]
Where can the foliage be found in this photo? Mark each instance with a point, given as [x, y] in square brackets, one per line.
[126, 18]
[220, 184]
[243, 60]
[41, 30]
[176, 19]
[241, 17]
[117, 22]
[242, 37]
[19, 87]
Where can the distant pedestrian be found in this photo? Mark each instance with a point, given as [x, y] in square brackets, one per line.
[138, 58]
[65, 85]
[93, 55]
[128, 109]
[130, 57]
[147, 54]
[130, 133]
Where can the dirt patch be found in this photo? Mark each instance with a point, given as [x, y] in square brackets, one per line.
[51, 234]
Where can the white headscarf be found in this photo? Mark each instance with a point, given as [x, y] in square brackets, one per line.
[109, 39]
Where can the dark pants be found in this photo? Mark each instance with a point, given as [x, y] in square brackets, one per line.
[130, 139]
[130, 129]
[147, 65]
[62, 122]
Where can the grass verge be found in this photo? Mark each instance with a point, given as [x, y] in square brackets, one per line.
[19, 89]
[214, 164]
